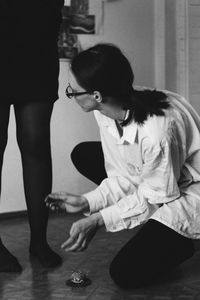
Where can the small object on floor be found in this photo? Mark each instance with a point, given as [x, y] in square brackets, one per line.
[78, 279]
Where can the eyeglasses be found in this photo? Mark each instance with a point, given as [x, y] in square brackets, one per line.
[70, 93]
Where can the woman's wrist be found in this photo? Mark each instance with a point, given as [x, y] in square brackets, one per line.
[98, 219]
[85, 204]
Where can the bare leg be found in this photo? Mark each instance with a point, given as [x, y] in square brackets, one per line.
[33, 136]
[8, 263]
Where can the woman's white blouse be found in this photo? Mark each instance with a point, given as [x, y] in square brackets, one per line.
[153, 171]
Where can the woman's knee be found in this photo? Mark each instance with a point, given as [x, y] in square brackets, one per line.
[79, 155]
[123, 276]
[126, 276]
[115, 273]
[76, 152]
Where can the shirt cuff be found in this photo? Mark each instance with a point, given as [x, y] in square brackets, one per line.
[95, 200]
[113, 221]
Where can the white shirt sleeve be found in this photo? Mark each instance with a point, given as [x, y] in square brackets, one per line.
[109, 192]
[124, 206]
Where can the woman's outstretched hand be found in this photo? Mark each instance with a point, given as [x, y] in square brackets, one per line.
[82, 232]
[63, 201]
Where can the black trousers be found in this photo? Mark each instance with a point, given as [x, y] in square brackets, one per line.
[153, 251]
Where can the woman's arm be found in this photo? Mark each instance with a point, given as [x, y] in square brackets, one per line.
[158, 185]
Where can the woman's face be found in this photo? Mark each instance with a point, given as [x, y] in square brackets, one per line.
[87, 101]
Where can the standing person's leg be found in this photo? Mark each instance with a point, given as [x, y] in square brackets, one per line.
[154, 251]
[88, 158]
[33, 136]
[8, 263]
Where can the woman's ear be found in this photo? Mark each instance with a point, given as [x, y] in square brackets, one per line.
[97, 96]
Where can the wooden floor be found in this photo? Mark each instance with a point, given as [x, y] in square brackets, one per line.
[36, 283]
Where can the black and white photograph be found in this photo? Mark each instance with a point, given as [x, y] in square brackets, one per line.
[80, 7]
[67, 40]
[67, 43]
[100, 150]
[82, 24]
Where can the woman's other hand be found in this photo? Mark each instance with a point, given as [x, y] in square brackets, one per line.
[82, 232]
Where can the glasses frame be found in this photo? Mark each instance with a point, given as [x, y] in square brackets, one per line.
[70, 95]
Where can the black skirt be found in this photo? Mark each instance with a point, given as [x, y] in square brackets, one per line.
[29, 63]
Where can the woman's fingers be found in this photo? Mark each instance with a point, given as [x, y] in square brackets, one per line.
[55, 204]
[73, 243]
[68, 242]
[83, 246]
[56, 196]
[81, 233]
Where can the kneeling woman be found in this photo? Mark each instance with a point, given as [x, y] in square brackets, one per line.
[150, 147]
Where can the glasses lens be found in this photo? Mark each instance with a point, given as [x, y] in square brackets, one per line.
[69, 91]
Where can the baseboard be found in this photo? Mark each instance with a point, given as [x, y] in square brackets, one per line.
[13, 215]
[23, 214]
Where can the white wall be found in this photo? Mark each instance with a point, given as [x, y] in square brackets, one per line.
[194, 53]
[130, 25]
[170, 45]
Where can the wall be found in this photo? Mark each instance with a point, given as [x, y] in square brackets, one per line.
[194, 53]
[130, 25]
[170, 45]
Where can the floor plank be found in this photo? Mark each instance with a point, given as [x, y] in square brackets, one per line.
[36, 283]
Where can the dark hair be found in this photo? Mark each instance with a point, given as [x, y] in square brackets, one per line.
[104, 68]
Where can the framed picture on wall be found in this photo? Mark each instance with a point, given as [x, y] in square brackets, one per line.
[75, 20]
[82, 24]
